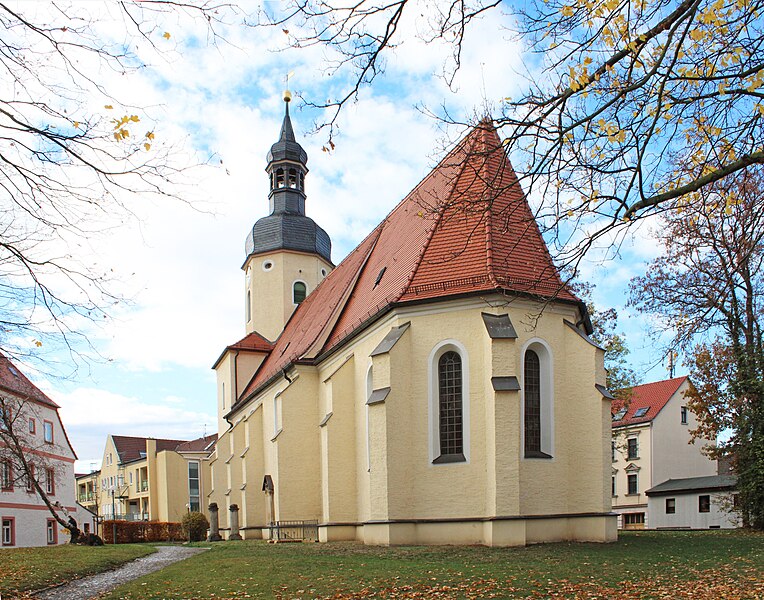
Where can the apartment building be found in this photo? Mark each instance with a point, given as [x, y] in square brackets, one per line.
[148, 479]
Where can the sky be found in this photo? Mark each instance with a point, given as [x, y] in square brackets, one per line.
[180, 262]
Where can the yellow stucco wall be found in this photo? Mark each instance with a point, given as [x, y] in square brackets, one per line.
[320, 467]
[270, 292]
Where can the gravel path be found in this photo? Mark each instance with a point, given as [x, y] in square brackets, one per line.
[92, 586]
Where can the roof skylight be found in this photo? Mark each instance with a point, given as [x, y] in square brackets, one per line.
[619, 415]
[641, 412]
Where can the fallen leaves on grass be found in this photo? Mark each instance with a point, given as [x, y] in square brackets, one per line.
[709, 584]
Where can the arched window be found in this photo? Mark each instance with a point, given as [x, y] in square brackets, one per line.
[279, 178]
[449, 407]
[292, 178]
[450, 403]
[299, 292]
[302, 181]
[532, 384]
[369, 390]
[537, 402]
[249, 306]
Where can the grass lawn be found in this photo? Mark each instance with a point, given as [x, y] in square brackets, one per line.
[699, 565]
[24, 569]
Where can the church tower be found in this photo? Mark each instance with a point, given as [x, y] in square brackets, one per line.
[287, 253]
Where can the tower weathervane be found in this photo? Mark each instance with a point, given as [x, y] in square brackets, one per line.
[287, 93]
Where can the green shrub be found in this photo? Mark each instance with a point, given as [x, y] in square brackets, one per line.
[195, 526]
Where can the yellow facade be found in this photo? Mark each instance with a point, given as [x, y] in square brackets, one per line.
[366, 472]
[269, 286]
[154, 487]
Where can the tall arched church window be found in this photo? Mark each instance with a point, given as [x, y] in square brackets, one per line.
[299, 292]
[450, 405]
[537, 403]
[292, 178]
[279, 178]
[532, 403]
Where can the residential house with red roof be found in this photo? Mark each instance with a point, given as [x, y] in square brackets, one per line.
[651, 445]
[436, 386]
[148, 479]
[33, 420]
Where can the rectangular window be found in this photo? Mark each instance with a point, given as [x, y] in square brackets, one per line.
[28, 479]
[684, 415]
[47, 428]
[32, 426]
[6, 476]
[670, 506]
[5, 417]
[50, 482]
[9, 531]
[632, 448]
[612, 485]
[612, 451]
[193, 486]
[634, 520]
[633, 488]
[704, 503]
[131, 478]
[52, 532]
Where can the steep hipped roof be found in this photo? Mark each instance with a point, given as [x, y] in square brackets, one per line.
[465, 229]
[132, 448]
[14, 381]
[253, 342]
[652, 396]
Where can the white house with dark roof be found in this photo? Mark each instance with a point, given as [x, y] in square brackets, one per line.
[707, 502]
[651, 445]
[33, 418]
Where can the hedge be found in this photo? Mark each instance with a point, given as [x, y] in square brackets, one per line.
[129, 532]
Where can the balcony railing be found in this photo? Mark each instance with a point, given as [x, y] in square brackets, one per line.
[142, 486]
[127, 517]
[88, 497]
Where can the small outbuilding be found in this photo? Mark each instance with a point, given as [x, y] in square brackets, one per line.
[694, 503]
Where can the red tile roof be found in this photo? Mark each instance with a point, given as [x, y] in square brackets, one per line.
[198, 445]
[14, 381]
[653, 396]
[466, 228]
[130, 448]
[253, 342]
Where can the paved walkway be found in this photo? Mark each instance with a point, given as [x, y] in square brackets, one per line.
[92, 586]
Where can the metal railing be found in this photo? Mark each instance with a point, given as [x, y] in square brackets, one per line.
[142, 486]
[89, 497]
[137, 516]
[294, 531]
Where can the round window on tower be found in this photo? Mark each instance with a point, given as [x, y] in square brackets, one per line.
[323, 272]
[267, 265]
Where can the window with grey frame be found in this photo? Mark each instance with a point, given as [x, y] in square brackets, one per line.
[299, 292]
[450, 408]
[532, 406]
[193, 486]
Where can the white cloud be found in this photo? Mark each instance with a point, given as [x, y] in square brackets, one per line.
[89, 414]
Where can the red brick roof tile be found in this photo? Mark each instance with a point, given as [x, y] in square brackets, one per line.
[14, 381]
[131, 448]
[653, 396]
[466, 228]
[199, 444]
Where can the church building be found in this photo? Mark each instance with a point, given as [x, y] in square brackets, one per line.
[438, 386]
